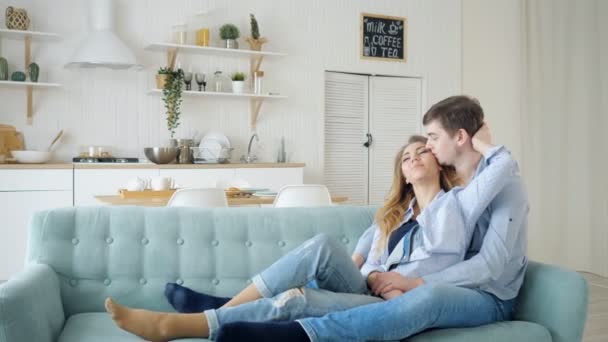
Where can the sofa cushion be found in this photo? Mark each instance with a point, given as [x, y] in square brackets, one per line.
[98, 327]
[130, 253]
[518, 331]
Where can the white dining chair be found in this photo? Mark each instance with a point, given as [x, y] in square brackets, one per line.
[302, 195]
[209, 197]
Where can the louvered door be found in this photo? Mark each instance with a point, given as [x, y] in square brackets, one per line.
[346, 122]
[388, 108]
[395, 115]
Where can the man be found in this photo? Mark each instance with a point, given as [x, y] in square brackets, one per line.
[480, 290]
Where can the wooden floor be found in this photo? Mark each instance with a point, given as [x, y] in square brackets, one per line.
[597, 313]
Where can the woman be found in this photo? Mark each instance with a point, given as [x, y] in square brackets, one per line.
[420, 230]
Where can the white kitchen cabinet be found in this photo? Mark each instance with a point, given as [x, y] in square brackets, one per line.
[197, 178]
[272, 178]
[89, 183]
[22, 193]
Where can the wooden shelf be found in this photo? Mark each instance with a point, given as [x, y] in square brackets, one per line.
[28, 37]
[255, 58]
[31, 84]
[208, 50]
[255, 101]
[213, 93]
[34, 35]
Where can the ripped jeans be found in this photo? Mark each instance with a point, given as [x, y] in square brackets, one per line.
[322, 259]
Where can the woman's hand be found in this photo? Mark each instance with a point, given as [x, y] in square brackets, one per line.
[382, 283]
[358, 260]
[482, 140]
[392, 294]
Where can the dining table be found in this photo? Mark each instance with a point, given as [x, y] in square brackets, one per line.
[162, 201]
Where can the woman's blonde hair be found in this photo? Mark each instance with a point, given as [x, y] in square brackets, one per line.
[402, 193]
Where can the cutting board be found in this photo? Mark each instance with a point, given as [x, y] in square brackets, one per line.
[10, 140]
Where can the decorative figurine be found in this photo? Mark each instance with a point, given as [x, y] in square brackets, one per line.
[34, 71]
[3, 69]
[18, 76]
[17, 19]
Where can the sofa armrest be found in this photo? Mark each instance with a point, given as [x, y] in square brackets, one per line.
[30, 306]
[555, 298]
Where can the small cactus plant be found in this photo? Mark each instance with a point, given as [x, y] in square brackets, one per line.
[3, 69]
[18, 76]
[34, 71]
[255, 29]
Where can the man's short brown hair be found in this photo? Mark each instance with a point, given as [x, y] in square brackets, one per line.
[456, 112]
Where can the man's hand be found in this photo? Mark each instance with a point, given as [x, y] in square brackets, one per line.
[381, 283]
[482, 140]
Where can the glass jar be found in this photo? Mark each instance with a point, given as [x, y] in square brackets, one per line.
[257, 82]
[179, 33]
[202, 36]
[220, 83]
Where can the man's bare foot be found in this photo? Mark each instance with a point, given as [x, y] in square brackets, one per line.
[149, 325]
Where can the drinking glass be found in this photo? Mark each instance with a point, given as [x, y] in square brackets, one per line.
[188, 80]
[201, 81]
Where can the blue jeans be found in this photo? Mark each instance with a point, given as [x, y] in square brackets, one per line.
[425, 307]
[342, 303]
[321, 260]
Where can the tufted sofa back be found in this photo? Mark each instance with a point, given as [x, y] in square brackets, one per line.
[130, 253]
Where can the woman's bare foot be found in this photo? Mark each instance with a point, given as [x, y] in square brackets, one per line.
[149, 325]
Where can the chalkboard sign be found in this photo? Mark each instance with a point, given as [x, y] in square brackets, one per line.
[383, 37]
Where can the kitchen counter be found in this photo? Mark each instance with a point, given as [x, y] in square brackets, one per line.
[58, 166]
[183, 166]
[148, 166]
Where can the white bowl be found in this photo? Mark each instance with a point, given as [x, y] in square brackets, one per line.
[31, 157]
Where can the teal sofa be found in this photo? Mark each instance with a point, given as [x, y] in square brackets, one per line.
[79, 256]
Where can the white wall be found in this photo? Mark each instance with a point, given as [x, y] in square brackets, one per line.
[492, 65]
[105, 107]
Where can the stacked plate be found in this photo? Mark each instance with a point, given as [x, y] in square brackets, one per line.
[265, 193]
[210, 147]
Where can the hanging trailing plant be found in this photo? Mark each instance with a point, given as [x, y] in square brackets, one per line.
[172, 97]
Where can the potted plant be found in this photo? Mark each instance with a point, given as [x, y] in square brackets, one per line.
[255, 41]
[238, 82]
[230, 33]
[162, 77]
[172, 97]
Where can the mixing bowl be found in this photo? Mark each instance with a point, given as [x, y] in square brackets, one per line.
[161, 155]
[31, 157]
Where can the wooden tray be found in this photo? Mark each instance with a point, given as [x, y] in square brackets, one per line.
[237, 193]
[124, 193]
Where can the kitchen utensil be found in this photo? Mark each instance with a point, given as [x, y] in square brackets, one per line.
[225, 155]
[162, 183]
[161, 155]
[31, 157]
[95, 152]
[221, 138]
[137, 184]
[55, 140]
[210, 149]
[10, 140]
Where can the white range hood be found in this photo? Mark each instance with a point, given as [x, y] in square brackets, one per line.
[101, 48]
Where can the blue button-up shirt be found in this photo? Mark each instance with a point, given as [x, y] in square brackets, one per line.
[447, 224]
[496, 259]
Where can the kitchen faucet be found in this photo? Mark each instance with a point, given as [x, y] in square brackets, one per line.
[249, 158]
